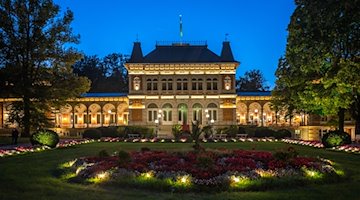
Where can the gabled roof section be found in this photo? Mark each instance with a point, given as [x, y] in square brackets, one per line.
[181, 53]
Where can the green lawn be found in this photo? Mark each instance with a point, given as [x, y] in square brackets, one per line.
[31, 176]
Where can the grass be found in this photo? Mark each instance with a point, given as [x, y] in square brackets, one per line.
[31, 176]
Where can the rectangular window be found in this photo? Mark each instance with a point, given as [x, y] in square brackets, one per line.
[178, 85]
[208, 85]
[200, 86]
[184, 85]
[170, 85]
[214, 85]
[163, 86]
[154, 86]
[148, 85]
[193, 86]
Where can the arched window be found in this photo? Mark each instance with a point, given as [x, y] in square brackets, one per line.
[211, 112]
[214, 84]
[227, 83]
[155, 84]
[182, 113]
[167, 113]
[178, 84]
[136, 83]
[185, 84]
[152, 112]
[163, 83]
[193, 84]
[197, 113]
[170, 84]
[148, 84]
[208, 84]
[200, 84]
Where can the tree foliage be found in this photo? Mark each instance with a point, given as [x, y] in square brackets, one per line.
[107, 74]
[252, 80]
[35, 59]
[322, 57]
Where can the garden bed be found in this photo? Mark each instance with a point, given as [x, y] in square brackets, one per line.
[215, 170]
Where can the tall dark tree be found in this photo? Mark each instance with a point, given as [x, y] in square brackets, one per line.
[35, 59]
[107, 74]
[323, 55]
[252, 80]
[90, 67]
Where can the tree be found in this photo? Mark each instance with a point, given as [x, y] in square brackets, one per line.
[253, 80]
[35, 60]
[107, 74]
[323, 54]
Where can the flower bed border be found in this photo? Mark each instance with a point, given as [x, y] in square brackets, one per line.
[92, 170]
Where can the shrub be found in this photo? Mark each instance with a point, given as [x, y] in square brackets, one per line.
[142, 131]
[144, 149]
[176, 131]
[103, 154]
[124, 158]
[186, 135]
[46, 138]
[231, 131]
[108, 132]
[282, 133]
[208, 131]
[241, 130]
[121, 130]
[195, 134]
[286, 154]
[92, 134]
[205, 162]
[264, 132]
[335, 138]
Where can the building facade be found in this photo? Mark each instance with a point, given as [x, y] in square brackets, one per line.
[178, 83]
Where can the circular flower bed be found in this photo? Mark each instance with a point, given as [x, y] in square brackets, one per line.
[222, 170]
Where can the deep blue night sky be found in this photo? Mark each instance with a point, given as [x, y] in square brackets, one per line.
[256, 28]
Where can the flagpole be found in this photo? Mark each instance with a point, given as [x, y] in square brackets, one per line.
[181, 31]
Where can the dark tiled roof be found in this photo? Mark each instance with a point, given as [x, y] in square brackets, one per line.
[136, 54]
[256, 93]
[181, 54]
[226, 53]
[112, 94]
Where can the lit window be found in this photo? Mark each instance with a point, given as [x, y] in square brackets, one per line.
[227, 83]
[136, 83]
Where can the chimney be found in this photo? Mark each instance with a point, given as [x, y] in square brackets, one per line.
[136, 54]
[226, 53]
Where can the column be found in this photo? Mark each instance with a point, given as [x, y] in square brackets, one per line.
[247, 113]
[88, 118]
[101, 116]
[73, 116]
[262, 115]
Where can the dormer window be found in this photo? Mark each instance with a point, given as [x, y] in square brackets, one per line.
[227, 83]
[136, 83]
